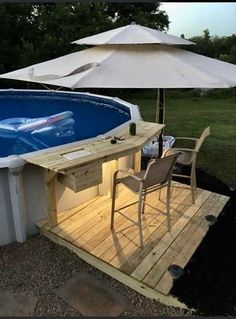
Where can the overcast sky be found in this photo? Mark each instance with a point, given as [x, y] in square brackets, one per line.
[191, 18]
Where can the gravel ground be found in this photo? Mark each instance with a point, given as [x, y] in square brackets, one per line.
[40, 266]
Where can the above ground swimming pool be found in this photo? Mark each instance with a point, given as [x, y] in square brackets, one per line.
[31, 120]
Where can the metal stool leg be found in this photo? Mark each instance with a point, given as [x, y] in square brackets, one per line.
[140, 215]
[168, 205]
[113, 200]
[144, 199]
[193, 183]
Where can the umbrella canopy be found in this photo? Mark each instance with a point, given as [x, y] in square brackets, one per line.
[133, 34]
[131, 57]
[129, 66]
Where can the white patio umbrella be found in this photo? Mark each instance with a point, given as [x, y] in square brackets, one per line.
[130, 66]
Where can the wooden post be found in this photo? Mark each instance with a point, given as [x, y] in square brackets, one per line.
[104, 187]
[137, 162]
[160, 118]
[50, 179]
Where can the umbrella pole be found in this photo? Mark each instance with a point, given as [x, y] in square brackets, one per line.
[160, 106]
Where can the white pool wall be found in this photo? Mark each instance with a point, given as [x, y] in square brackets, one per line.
[27, 189]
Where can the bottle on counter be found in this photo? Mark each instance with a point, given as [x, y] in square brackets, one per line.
[132, 128]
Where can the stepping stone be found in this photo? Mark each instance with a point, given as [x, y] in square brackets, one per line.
[21, 304]
[91, 297]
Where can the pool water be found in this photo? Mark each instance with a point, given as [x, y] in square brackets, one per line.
[34, 120]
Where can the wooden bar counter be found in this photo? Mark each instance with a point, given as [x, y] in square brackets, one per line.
[80, 166]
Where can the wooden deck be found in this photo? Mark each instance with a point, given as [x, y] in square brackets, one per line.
[86, 230]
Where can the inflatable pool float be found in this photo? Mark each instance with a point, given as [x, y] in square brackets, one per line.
[151, 149]
[31, 130]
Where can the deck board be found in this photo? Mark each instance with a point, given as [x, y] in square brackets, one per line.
[155, 274]
[147, 263]
[152, 227]
[86, 230]
[178, 207]
[164, 285]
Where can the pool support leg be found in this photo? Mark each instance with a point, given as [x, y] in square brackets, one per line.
[16, 165]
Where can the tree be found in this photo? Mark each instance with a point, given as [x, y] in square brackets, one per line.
[16, 24]
[223, 48]
[145, 13]
[206, 36]
[204, 44]
[31, 33]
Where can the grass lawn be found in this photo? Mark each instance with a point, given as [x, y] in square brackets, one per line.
[188, 116]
